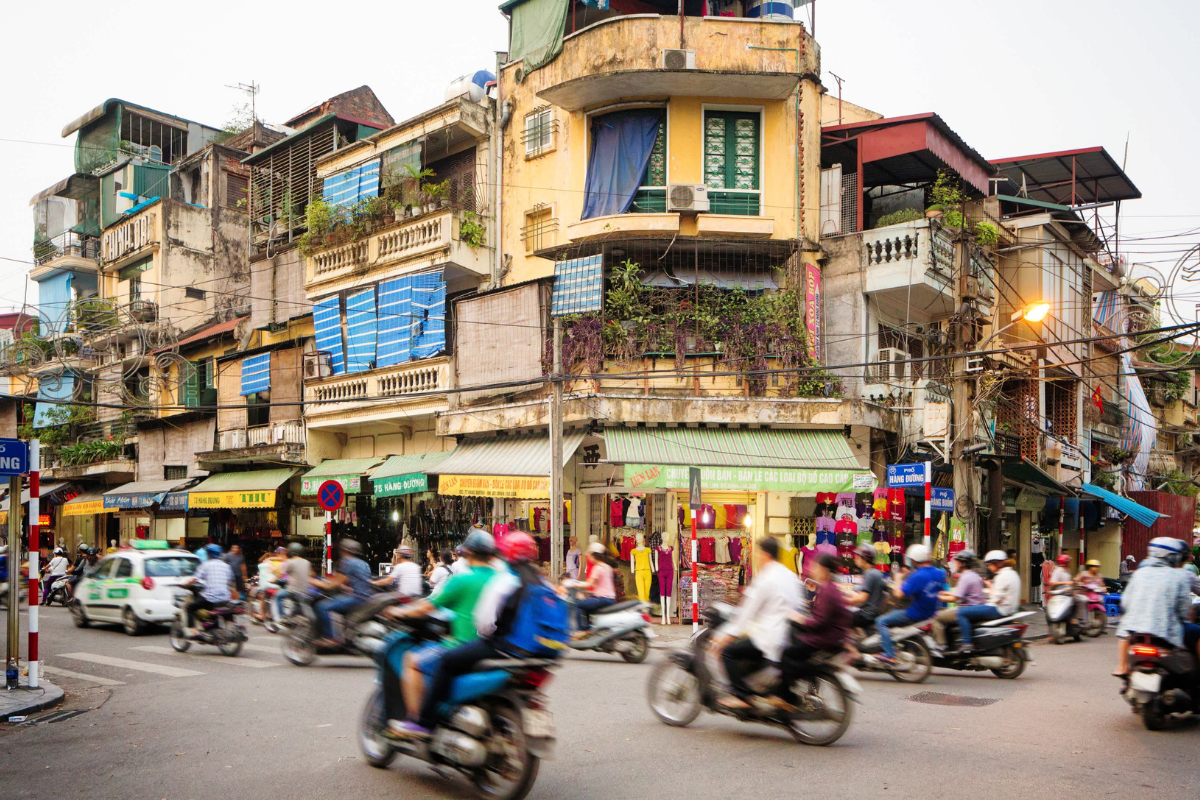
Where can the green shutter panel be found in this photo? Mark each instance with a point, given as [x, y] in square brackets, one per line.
[191, 388]
[208, 383]
[732, 145]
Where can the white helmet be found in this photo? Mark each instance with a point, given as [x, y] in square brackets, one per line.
[917, 554]
[1168, 549]
[995, 555]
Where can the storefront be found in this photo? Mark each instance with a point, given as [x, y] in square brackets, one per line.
[51, 496]
[246, 508]
[754, 482]
[406, 496]
[84, 520]
[358, 517]
[136, 506]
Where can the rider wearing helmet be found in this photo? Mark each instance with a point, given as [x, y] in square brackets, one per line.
[1091, 577]
[350, 585]
[460, 594]
[405, 576]
[968, 591]
[869, 597]
[1061, 576]
[921, 587]
[1157, 600]
[217, 585]
[1004, 599]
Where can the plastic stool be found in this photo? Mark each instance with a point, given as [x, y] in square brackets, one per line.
[1112, 605]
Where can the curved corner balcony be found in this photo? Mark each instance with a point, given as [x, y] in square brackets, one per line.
[638, 55]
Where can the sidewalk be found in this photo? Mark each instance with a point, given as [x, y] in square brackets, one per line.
[24, 701]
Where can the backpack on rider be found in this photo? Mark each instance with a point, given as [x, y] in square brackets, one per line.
[533, 621]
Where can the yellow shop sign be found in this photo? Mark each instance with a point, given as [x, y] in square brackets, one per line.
[260, 499]
[516, 486]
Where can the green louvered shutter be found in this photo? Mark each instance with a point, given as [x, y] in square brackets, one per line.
[732, 148]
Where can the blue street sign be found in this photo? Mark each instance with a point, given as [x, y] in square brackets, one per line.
[901, 475]
[14, 457]
[941, 499]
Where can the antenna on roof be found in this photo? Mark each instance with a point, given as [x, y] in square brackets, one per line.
[251, 89]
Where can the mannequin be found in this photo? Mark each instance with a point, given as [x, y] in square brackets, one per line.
[642, 567]
[787, 555]
[666, 580]
[573, 559]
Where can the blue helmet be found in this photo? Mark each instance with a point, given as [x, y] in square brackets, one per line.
[214, 550]
[1168, 549]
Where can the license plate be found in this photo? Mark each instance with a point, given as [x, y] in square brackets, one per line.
[539, 724]
[1145, 682]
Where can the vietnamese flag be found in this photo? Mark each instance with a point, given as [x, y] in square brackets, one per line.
[1097, 400]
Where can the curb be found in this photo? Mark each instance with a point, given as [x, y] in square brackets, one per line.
[50, 695]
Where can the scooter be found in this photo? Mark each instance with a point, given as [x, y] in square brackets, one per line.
[622, 628]
[59, 592]
[495, 729]
[1097, 615]
[361, 632]
[1164, 681]
[684, 684]
[999, 645]
[219, 627]
[914, 661]
[1061, 616]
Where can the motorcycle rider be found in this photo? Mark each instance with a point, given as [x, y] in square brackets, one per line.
[405, 575]
[922, 587]
[869, 597]
[762, 618]
[218, 586]
[600, 583]
[295, 574]
[1091, 577]
[54, 570]
[968, 591]
[87, 561]
[1004, 597]
[460, 595]
[1157, 601]
[823, 629]
[354, 576]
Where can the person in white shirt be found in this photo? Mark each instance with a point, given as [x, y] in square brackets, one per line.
[406, 575]
[762, 618]
[441, 571]
[54, 570]
[460, 564]
[1004, 598]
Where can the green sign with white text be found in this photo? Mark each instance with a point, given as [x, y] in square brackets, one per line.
[745, 479]
[411, 483]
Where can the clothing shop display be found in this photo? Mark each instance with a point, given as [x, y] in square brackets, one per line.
[627, 545]
[731, 516]
[808, 557]
[616, 514]
[787, 557]
[722, 550]
[717, 584]
[633, 514]
[708, 550]
[735, 551]
[654, 540]
[642, 572]
[666, 570]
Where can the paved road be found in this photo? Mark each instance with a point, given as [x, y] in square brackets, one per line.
[166, 725]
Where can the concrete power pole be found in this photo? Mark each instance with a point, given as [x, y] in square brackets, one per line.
[556, 457]
[961, 411]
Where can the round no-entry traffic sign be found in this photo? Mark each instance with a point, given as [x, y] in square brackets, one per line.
[331, 495]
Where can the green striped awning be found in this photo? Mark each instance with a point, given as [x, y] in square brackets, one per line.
[506, 455]
[406, 474]
[738, 459]
[346, 471]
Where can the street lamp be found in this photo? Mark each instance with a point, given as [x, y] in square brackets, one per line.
[1034, 312]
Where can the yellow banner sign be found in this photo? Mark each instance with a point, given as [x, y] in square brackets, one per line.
[521, 487]
[262, 499]
[83, 509]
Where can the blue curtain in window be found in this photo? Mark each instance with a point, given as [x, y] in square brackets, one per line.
[361, 328]
[327, 323]
[621, 146]
[256, 374]
[53, 388]
[347, 188]
[54, 295]
[395, 322]
[428, 315]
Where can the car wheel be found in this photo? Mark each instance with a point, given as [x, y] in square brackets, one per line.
[79, 615]
[129, 621]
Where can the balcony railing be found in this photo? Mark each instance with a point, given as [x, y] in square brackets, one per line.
[289, 432]
[67, 244]
[431, 239]
[429, 376]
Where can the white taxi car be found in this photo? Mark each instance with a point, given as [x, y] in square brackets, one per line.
[133, 586]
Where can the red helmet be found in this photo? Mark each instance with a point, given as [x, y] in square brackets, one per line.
[1063, 561]
[518, 547]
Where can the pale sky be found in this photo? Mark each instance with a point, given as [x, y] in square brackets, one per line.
[1012, 78]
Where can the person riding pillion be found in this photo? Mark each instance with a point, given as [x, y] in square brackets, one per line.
[217, 582]
[353, 577]
[1004, 598]
[921, 588]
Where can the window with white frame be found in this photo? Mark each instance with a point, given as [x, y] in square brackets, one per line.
[540, 127]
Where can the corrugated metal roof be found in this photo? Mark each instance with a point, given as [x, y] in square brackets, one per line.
[253, 481]
[332, 467]
[505, 455]
[724, 447]
[405, 465]
[146, 487]
[1138, 511]
[44, 491]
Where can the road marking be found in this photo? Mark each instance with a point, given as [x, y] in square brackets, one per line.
[125, 663]
[66, 673]
[262, 648]
[238, 662]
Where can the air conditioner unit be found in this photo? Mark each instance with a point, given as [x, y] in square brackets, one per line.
[892, 366]
[233, 440]
[678, 59]
[317, 365]
[687, 197]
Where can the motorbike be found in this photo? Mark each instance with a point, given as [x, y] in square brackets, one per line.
[1097, 615]
[22, 592]
[59, 592]
[623, 628]
[219, 627]
[914, 661]
[495, 729]
[684, 684]
[1164, 681]
[999, 646]
[361, 632]
[1061, 617]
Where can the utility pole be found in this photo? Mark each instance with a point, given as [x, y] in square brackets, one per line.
[13, 653]
[962, 414]
[556, 457]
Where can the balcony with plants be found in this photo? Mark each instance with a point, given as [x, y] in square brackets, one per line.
[75, 445]
[414, 220]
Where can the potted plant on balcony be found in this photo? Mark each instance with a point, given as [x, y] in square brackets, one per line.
[411, 198]
[947, 197]
[380, 209]
[436, 195]
[319, 218]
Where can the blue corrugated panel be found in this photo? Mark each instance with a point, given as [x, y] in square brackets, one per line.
[395, 322]
[361, 328]
[347, 188]
[54, 296]
[47, 390]
[578, 286]
[429, 315]
[327, 322]
[256, 374]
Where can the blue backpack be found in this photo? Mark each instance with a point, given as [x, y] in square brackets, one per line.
[536, 623]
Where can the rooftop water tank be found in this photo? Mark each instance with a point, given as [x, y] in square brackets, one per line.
[472, 86]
